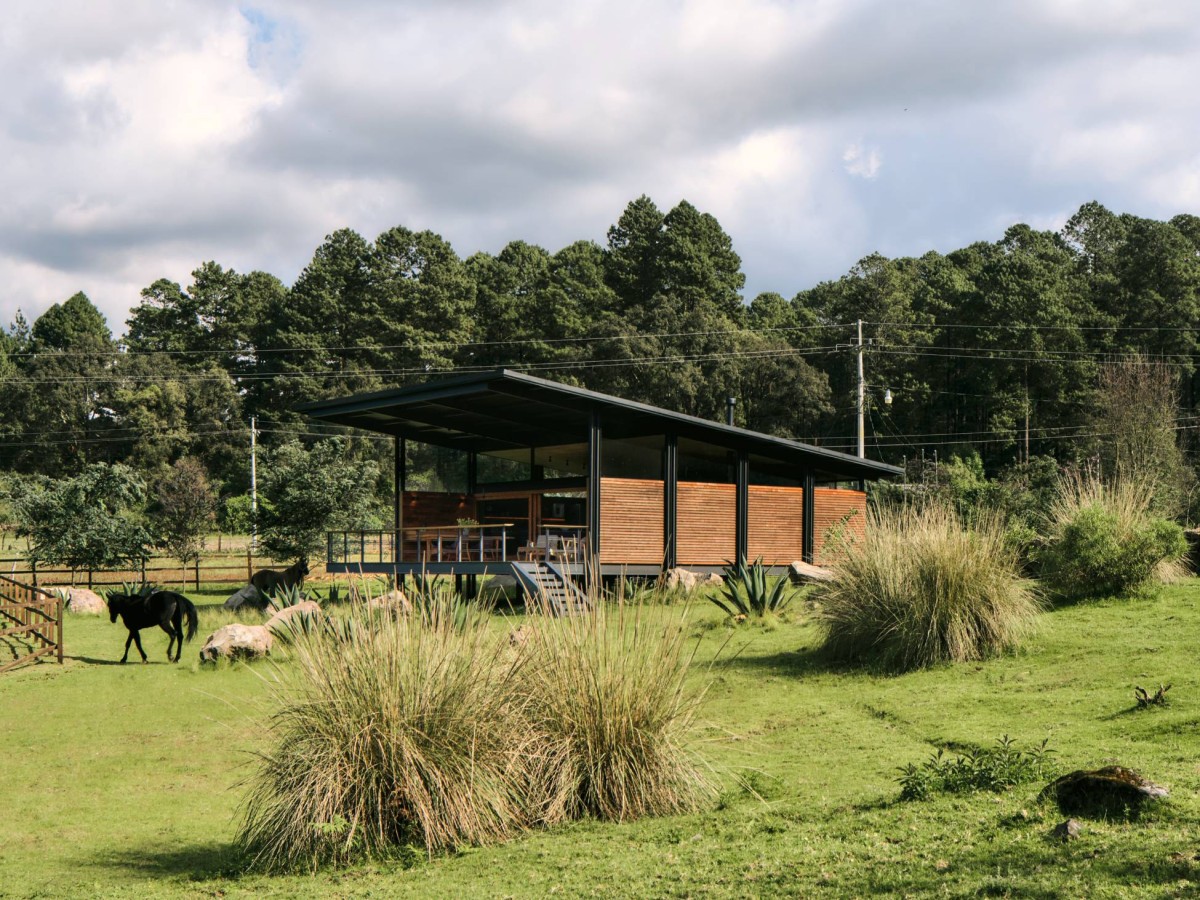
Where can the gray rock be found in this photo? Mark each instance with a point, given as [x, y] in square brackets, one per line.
[1107, 792]
[805, 573]
[1066, 831]
[289, 618]
[247, 596]
[687, 580]
[83, 602]
[237, 641]
[394, 600]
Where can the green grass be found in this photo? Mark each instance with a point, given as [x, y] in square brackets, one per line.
[122, 781]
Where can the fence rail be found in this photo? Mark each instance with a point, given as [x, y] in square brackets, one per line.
[212, 568]
[34, 618]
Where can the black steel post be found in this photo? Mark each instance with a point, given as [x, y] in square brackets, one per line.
[670, 502]
[808, 547]
[595, 435]
[742, 506]
[472, 472]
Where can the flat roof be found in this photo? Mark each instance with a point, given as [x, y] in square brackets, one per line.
[504, 410]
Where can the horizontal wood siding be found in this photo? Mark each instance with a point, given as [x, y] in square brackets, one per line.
[707, 533]
[777, 521]
[427, 509]
[631, 521]
[838, 510]
[776, 524]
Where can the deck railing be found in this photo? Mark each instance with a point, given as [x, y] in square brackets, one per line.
[455, 543]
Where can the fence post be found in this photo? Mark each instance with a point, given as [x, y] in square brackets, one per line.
[197, 573]
[59, 627]
[249, 565]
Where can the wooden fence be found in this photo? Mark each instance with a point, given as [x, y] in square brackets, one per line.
[234, 568]
[30, 619]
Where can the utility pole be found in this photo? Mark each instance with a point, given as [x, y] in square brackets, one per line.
[253, 483]
[861, 403]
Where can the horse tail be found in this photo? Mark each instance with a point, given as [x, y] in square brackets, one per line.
[189, 610]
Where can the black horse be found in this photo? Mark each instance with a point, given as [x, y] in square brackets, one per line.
[271, 581]
[166, 609]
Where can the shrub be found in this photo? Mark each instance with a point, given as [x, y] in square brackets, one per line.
[996, 768]
[749, 591]
[394, 732]
[921, 589]
[1102, 540]
[609, 705]
[432, 729]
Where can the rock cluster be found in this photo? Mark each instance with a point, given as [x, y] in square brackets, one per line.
[237, 641]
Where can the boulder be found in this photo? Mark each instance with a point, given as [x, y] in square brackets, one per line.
[237, 642]
[520, 636]
[1066, 831]
[1107, 792]
[247, 596]
[805, 573]
[283, 619]
[83, 602]
[687, 580]
[393, 600]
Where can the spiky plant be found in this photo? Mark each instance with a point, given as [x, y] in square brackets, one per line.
[609, 704]
[395, 731]
[750, 591]
[922, 588]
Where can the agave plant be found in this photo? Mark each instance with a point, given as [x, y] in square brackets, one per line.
[749, 591]
[284, 597]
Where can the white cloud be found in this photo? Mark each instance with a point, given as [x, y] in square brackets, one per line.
[863, 162]
[140, 140]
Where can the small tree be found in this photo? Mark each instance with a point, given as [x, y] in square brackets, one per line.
[310, 492]
[91, 521]
[185, 511]
[1138, 403]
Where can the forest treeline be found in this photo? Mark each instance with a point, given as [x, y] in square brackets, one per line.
[996, 348]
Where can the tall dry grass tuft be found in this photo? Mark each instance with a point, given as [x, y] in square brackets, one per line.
[394, 731]
[609, 703]
[921, 588]
[1102, 538]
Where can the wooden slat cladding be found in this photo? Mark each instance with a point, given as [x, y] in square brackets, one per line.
[707, 533]
[426, 509]
[836, 511]
[777, 521]
[631, 521]
[776, 524]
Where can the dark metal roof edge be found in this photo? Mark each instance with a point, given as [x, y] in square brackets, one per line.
[324, 408]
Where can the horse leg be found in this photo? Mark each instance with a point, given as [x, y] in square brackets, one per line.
[169, 629]
[137, 639]
[128, 641]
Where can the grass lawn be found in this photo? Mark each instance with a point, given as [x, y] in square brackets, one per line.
[122, 781]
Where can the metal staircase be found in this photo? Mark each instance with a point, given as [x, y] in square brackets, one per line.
[545, 583]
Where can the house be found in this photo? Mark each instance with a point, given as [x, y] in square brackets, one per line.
[541, 476]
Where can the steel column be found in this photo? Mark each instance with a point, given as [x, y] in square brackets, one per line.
[808, 541]
[671, 502]
[593, 484]
[742, 506]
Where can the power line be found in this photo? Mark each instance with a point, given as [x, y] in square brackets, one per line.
[250, 352]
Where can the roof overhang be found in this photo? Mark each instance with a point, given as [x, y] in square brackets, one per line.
[503, 410]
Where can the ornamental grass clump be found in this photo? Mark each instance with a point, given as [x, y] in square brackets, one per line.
[1101, 539]
[398, 732]
[612, 715]
[922, 588]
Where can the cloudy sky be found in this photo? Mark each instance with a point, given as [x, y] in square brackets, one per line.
[139, 138]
